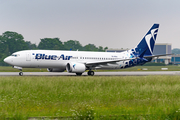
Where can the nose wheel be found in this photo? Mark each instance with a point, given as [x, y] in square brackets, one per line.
[20, 73]
[90, 73]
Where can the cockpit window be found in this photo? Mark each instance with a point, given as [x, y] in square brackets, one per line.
[15, 55]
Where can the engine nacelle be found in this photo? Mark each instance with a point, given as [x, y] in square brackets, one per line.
[74, 67]
[55, 69]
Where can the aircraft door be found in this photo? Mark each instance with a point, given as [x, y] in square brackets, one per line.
[28, 56]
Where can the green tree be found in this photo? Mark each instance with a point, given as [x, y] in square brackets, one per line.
[51, 44]
[14, 41]
[73, 45]
[90, 47]
[105, 48]
[3, 45]
[31, 46]
[11, 42]
[176, 51]
[100, 48]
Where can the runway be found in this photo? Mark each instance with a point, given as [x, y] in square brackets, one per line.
[127, 73]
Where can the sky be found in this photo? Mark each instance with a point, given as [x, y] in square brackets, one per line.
[113, 23]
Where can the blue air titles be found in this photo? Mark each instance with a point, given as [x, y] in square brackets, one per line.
[52, 57]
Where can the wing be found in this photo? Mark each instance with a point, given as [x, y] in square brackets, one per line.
[96, 63]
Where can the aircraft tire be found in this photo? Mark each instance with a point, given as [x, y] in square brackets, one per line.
[20, 73]
[90, 73]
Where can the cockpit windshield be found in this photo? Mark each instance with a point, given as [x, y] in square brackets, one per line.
[15, 55]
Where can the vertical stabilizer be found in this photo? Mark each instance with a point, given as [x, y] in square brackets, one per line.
[146, 45]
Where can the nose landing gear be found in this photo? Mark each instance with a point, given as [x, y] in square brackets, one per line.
[19, 68]
[21, 73]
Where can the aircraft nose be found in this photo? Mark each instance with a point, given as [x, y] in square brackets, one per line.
[7, 60]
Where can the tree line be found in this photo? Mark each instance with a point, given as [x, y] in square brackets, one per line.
[176, 51]
[11, 42]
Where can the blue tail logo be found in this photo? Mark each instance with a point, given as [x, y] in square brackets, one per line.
[146, 45]
[144, 48]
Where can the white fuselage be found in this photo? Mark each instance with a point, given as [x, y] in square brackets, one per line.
[59, 59]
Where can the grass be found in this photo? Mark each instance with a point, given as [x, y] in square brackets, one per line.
[127, 97]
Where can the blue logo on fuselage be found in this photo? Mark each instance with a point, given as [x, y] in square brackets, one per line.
[74, 66]
[52, 57]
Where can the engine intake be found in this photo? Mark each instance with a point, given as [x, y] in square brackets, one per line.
[74, 67]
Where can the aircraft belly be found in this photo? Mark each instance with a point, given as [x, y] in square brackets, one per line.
[109, 66]
[48, 64]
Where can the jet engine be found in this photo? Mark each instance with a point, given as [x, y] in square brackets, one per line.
[74, 67]
[55, 69]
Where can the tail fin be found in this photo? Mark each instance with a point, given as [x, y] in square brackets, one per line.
[146, 45]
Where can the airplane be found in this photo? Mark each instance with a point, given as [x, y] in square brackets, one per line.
[80, 61]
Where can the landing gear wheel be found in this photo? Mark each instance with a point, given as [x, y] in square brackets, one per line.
[91, 73]
[21, 73]
[78, 74]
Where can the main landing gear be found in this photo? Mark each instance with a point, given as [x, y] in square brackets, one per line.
[90, 73]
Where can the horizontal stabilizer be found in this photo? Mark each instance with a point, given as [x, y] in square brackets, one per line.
[152, 56]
